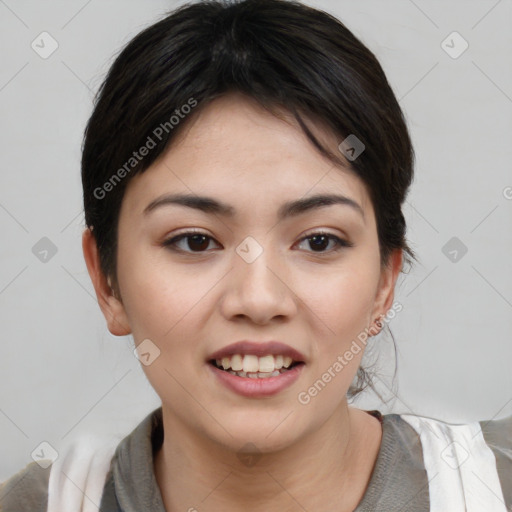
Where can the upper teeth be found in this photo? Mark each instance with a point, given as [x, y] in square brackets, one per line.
[250, 363]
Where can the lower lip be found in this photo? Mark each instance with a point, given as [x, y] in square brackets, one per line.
[257, 388]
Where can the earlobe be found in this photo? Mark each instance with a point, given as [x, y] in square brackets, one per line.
[110, 305]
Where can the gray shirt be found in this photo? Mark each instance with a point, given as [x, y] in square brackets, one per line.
[399, 481]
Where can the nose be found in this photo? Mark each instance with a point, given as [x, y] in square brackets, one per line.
[260, 290]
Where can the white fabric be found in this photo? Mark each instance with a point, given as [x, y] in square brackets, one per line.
[78, 476]
[461, 468]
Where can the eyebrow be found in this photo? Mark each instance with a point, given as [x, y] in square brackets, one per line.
[287, 210]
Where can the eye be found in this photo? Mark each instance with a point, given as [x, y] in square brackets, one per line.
[319, 240]
[197, 242]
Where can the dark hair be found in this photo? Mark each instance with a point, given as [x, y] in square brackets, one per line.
[282, 54]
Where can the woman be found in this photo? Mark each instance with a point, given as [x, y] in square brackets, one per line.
[244, 171]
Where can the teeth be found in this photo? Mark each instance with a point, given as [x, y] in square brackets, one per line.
[250, 363]
[266, 364]
[237, 363]
[253, 364]
[258, 375]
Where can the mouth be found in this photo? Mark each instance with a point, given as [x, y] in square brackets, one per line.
[254, 367]
[257, 369]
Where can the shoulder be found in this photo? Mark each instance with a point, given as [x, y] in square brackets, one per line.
[498, 433]
[26, 490]
[81, 467]
[467, 463]
[457, 442]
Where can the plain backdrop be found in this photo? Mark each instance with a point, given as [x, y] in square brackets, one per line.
[63, 373]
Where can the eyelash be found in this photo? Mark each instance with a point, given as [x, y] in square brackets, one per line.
[171, 242]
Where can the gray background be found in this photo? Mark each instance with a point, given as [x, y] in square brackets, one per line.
[64, 374]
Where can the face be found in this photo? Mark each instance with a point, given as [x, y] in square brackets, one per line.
[252, 274]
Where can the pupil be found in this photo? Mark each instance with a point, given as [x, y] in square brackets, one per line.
[322, 243]
[196, 238]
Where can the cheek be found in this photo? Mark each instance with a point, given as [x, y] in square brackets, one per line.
[342, 299]
[162, 305]
[155, 296]
[342, 303]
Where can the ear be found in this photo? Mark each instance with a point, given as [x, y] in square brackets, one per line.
[111, 307]
[386, 288]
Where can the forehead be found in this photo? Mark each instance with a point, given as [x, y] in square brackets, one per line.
[232, 149]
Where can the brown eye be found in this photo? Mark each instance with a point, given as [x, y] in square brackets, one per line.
[195, 242]
[318, 242]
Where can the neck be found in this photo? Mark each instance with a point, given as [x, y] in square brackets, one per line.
[332, 464]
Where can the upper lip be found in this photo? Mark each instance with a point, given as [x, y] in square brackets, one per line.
[258, 348]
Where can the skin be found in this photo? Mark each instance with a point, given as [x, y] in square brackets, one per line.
[191, 304]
